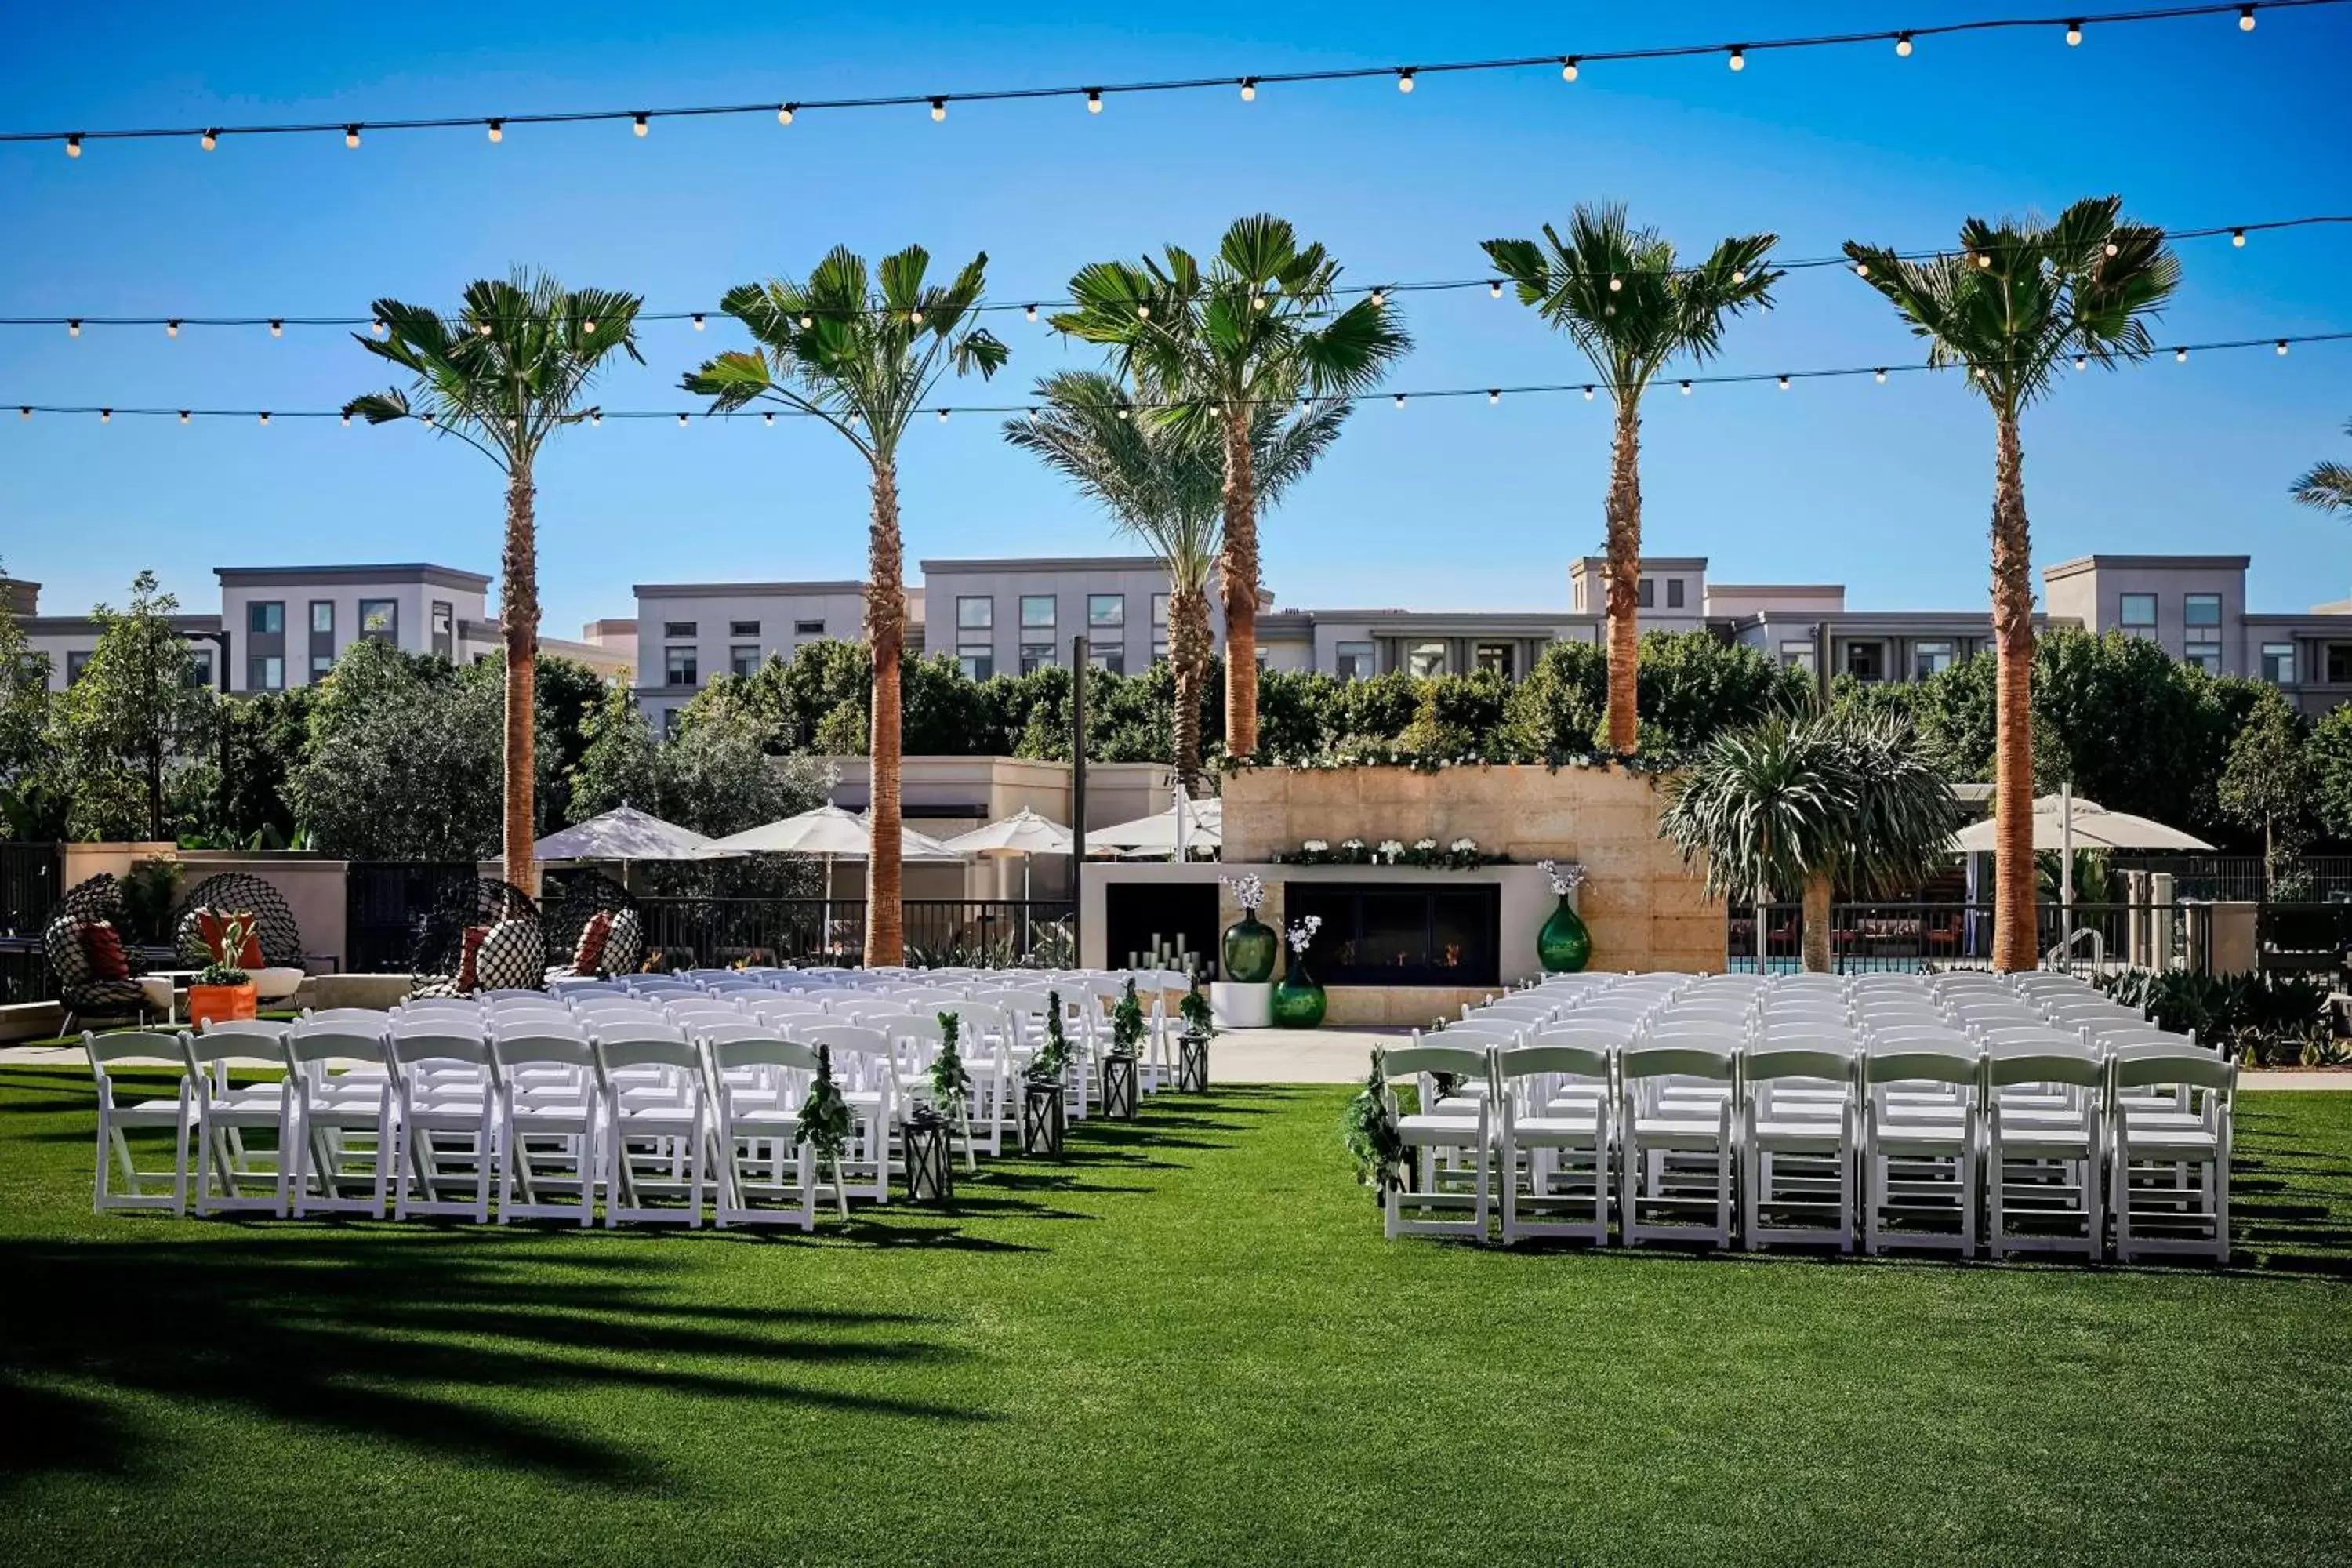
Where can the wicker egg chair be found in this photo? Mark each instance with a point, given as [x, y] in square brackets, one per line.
[508, 954]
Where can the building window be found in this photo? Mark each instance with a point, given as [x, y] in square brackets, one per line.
[670, 724]
[1357, 661]
[266, 672]
[2340, 663]
[1797, 653]
[1425, 660]
[808, 628]
[1930, 658]
[1647, 594]
[1112, 658]
[978, 663]
[2202, 645]
[200, 669]
[1036, 656]
[1105, 611]
[1865, 661]
[743, 658]
[746, 628]
[380, 618]
[1673, 593]
[2278, 663]
[1494, 658]
[1160, 626]
[323, 618]
[77, 660]
[975, 615]
[2136, 614]
[679, 629]
[266, 618]
[322, 665]
[680, 668]
[444, 630]
[1037, 612]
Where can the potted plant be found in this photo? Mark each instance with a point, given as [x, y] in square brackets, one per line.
[1564, 946]
[1299, 1001]
[1118, 1074]
[221, 991]
[1200, 1028]
[1249, 947]
[1044, 1114]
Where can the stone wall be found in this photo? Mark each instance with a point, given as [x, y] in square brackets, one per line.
[1646, 909]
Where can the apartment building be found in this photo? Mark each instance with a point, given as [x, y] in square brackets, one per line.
[1012, 616]
[67, 641]
[686, 633]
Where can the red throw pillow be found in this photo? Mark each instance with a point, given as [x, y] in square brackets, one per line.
[588, 955]
[212, 929]
[102, 945]
[468, 979]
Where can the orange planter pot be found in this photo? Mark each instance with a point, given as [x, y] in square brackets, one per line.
[219, 1004]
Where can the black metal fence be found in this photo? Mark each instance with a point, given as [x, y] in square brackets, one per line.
[1913, 936]
[32, 877]
[383, 902]
[714, 931]
[2239, 877]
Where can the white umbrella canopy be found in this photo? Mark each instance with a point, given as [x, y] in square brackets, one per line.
[1157, 834]
[623, 833]
[2087, 825]
[828, 831]
[1023, 833]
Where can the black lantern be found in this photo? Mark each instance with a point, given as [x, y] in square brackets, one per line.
[1118, 1087]
[931, 1173]
[1193, 1064]
[1043, 1119]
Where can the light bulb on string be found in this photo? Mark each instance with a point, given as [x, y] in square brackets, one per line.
[784, 114]
[1400, 400]
[1616, 284]
[2245, 18]
[1739, 275]
[1493, 395]
[277, 329]
[170, 328]
[1094, 100]
[769, 420]
[1784, 383]
[1032, 416]
[2282, 348]
[2237, 238]
[641, 125]
[210, 139]
[73, 328]
[938, 109]
[184, 417]
[1984, 259]
[351, 135]
[588, 325]
[2181, 356]
[944, 415]
[1739, 58]
[482, 330]
[1143, 313]
[597, 417]
[1567, 68]
[1404, 79]
[1029, 312]
[1686, 389]
[265, 419]
[1123, 411]
[1879, 376]
[2113, 249]
[2082, 362]
[73, 145]
[376, 326]
[914, 317]
[1249, 90]
[1257, 301]
[498, 131]
[1861, 269]
[681, 421]
[1495, 289]
[808, 321]
[697, 321]
[429, 421]
[106, 416]
[23, 414]
[1588, 394]
[2073, 34]
[1903, 45]
[347, 421]
[1379, 298]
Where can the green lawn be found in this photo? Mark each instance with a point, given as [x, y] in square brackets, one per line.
[1189, 1343]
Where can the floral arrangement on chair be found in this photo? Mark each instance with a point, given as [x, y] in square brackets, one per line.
[1249, 891]
[1369, 1132]
[951, 1082]
[824, 1125]
[1565, 879]
[1200, 1022]
[1127, 1021]
[1051, 1062]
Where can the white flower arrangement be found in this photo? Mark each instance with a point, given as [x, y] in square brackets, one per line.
[1565, 880]
[1463, 847]
[1249, 891]
[1391, 850]
[1314, 845]
[1425, 845]
[1352, 845]
[1302, 933]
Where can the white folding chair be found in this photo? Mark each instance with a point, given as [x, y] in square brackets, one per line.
[1798, 1143]
[447, 1138]
[861, 1062]
[225, 1114]
[116, 1118]
[1919, 1146]
[547, 1128]
[338, 1122]
[1558, 1138]
[1451, 1148]
[1675, 1153]
[651, 1087]
[2170, 1180]
[2045, 1120]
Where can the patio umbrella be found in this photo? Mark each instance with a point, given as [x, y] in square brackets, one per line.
[2065, 824]
[1024, 833]
[830, 833]
[624, 833]
[1203, 823]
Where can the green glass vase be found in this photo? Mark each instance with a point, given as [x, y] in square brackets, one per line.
[1298, 1001]
[1564, 945]
[1249, 948]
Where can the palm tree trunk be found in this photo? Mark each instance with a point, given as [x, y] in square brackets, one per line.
[1237, 573]
[2015, 939]
[886, 637]
[1624, 551]
[1188, 658]
[518, 627]
[1817, 924]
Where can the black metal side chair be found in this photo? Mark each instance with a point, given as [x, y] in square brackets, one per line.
[481, 934]
[87, 997]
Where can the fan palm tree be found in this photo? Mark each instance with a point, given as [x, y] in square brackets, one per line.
[1164, 483]
[863, 357]
[1259, 326]
[1623, 298]
[2328, 486]
[503, 375]
[2019, 300]
[1805, 805]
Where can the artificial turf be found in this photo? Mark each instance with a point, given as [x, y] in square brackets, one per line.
[1186, 1344]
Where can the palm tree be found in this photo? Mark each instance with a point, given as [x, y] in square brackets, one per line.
[863, 358]
[1258, 327]
[1806, 804]
[1164, 483]
[1622, 297]
[2019, 300]
[503, 375]
[2328, 486]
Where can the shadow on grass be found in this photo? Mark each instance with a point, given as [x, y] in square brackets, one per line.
[398, 1337]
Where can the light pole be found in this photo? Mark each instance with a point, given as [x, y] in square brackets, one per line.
[1079, 654]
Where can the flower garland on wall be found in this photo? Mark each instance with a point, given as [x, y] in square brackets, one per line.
[1462, 855]
[1639, 762]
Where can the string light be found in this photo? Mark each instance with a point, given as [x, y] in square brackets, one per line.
[265, 419]
[1739, 275]
[170, 328]
[498, 131]
[2181, 356]
[1588, 394]
[1686, 389]
[1400, 400]
[784, 114]
[1739, 58]
[944, 415]
[914, 317]
[769, 420]
[277, 329]
[1404, 79]
[73, 328]
[2282, 348]
[2237, 238]
[642, 126]
[588, 325]
[184, 417]
[1249, 90]
[377, 326]
[1879, 376]
[1861, 269]
[431, 422]
[1094, 100]
[1379, 298]
[106, 416]
[597, 417]
[1493, 395]
[1784, 383]
[1143, 313]
[681, 421]
[1495, 290]
[73, 145]
[938, 109]
[1903, 45]
[1616, 284]
[1984, 259]
[1123, 411]
[2245, 18]
[2073, 34]
[347, 421]
[1567, 68]
[2082, 362]
[1028, 311]
[210, 139]
[697, 321]
[351, 135]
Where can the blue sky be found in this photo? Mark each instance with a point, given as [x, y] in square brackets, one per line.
[1439, 505]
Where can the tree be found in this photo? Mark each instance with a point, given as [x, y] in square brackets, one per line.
[2266, 784]
[1690, 686]
[2327, 486]
[862, 361]
[1624, 299]
[25, 798]
[1258, 328]
[1810, 805]
[2019, 299]
[1163, 481]
[504, 376]
[2329, 754]
[135, 713]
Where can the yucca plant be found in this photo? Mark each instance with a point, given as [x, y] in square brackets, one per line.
[2017, 302]
[863, 356]
[511, 369]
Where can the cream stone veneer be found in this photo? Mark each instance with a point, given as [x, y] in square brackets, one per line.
[1647, 911]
